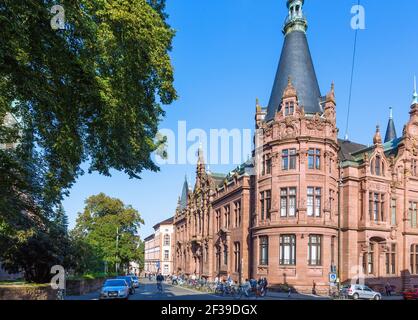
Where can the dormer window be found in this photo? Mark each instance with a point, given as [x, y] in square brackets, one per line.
[289, 109]
[377, 166]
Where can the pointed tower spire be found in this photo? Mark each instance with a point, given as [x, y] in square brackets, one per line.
[415, 95]
[391, 130]
[184, 194]
[295, 62]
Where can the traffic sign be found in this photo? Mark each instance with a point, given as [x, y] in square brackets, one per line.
[332, 277]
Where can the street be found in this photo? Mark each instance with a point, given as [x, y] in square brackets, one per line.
[148, 291]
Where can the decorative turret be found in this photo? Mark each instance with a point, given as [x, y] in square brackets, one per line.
[377, 139]
[290, 91]
[295, 62]
[295, 21]
[331, 94]
[391, 130]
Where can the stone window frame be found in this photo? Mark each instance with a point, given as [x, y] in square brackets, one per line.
[288, 193]
[289, 108]
[292, 244]
[314, 196]
[317, 262]
[265, 205]
[289, 157]
[314, 157]
[237, 256]
[377, 205]
[390, 259]
[238, 214]
[263, 244]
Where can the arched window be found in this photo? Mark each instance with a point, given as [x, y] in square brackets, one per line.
[377, 166]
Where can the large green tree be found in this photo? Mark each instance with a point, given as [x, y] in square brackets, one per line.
[111, 228]
[91, 92]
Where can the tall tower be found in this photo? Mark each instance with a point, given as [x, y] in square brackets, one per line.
[296, 63]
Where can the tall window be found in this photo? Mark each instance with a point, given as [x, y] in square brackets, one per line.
[237, 256]
[368, 260]
[393, 212]
[289, 108]
[227, 217]
[289, 159]
[268, 166]
[218, 220]
[414, 259]
[377, 169]
[238, 214]
[265, 204]
[314, 159]
[288, 202]
[391, 259]
[314, 250]
[225, 255]
[414, 166]
[264, 250]
[167, 240]
[288, 250]
[376, 206]
[218, 258]
[413, 214]
[166, 255]
[313, 202]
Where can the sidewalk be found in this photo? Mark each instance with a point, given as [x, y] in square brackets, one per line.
[295, 296]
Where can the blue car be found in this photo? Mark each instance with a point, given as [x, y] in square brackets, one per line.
[130, 283]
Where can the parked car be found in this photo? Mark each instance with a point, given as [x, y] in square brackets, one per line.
[114, 289]
[410, 294]
[130, 283]
[356, 291]
[135, 279]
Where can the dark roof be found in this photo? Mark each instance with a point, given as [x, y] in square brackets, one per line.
[296, 63]
[347, 148]
[167, 221]
[390, 131]
[218, 178]
[149, 237]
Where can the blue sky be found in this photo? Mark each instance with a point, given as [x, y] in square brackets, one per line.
[225, 54]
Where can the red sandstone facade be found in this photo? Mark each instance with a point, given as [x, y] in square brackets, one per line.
[307, 203]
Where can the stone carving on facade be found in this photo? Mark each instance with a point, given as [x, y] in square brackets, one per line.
[315, 124]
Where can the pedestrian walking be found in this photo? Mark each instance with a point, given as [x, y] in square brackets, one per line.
[388, 289]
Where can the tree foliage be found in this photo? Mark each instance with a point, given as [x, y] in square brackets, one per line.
[92, 92]
[111, 229]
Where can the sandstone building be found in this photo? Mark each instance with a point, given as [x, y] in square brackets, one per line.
[307, 203]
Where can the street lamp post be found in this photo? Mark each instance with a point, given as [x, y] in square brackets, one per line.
[117, 249]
